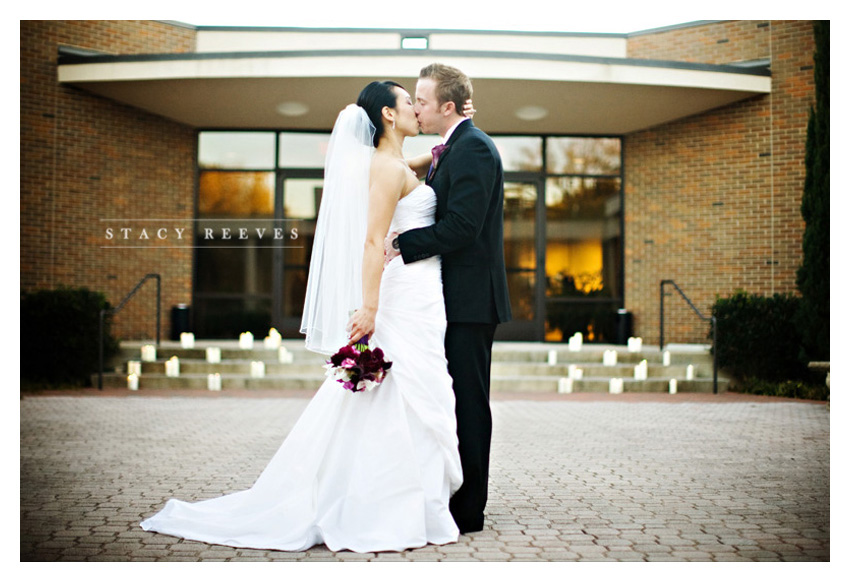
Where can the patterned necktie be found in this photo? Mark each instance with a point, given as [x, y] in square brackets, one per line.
[436, 152]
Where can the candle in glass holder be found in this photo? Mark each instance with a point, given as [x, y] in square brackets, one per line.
[615, 386]
[246, 341]
[609, 358]
[172, 367]
[641, 371]
[552, 357]
[673, 387]
[258, 369]
[214, 382]
[666, 357]
[213, 355]
[133, 382]
[148, 353]
[576, 342]
[284, 356]
[635, 344]
[134, 367]
[565, 386]
[272, 341]
[689, 373]
[187, 340]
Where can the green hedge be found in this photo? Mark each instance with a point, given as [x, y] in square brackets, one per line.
[758, 337]
[60, 335]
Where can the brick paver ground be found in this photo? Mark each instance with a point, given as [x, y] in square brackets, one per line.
[573, 478]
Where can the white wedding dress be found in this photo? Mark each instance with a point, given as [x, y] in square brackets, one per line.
[366, 471]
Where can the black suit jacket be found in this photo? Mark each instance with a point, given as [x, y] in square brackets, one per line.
[468, 232]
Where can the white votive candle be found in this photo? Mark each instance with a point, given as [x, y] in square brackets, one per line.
[284, 356]
[172, 367]
[187, 340]
[576, 342]
[565, 385]
[689, 373]
[133, 382]
[214, 382]
[615, 386]
[672, 386]
[258, 369]
[134, 367]
[246, 341]
[148, 353]
[665, 357]
[272, 341]
[609, 358]
[641, 371]
[552, 358]
[214, 355]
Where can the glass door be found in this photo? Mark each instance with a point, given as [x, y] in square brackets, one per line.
[523, 260]
[300, 194]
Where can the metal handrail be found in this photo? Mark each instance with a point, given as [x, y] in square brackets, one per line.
[118, 308]
[712, 319]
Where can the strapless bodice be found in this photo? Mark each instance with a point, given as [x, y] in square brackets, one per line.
[415, 210]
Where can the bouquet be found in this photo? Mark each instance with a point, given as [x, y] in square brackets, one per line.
[357, 367]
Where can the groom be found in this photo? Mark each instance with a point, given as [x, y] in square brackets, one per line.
[467, 176]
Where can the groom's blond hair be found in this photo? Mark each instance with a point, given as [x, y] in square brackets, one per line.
[452, 84]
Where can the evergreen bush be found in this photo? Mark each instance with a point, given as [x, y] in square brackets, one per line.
[813, 274]
[60, 335]
[758, 337]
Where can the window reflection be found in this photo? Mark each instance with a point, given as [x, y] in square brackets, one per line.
[236, 194]
[241, 284]
[302, 197]
[236, 150]
[595, 321]
[303, 150]
[520, 154]
[227, 317]
[583, 155]
[582, 237]
[520, 248]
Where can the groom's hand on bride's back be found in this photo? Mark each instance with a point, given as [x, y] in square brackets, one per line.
[390, 252]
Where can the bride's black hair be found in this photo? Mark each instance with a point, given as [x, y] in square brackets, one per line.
[373, 98]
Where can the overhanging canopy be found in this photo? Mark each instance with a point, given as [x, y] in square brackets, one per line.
[574, 94]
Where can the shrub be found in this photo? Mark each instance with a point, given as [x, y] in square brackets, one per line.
[758, 338]
[60, 335]
[813, 274]
[786, 389]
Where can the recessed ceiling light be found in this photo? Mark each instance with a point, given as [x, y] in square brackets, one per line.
[531, 113]
[292, 108]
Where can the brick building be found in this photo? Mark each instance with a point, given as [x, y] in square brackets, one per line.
[196, 153]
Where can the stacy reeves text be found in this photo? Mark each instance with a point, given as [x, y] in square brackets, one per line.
[224, 233]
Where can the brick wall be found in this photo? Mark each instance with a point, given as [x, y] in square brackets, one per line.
[713, 201]
[85, 159]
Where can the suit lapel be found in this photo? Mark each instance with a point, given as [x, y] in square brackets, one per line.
[459, 130]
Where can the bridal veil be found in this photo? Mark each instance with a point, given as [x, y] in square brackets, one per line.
[334, 285]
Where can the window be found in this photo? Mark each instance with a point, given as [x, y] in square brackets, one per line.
[236, 150]
[562, 227]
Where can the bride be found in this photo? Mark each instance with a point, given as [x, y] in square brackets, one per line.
[374, 470]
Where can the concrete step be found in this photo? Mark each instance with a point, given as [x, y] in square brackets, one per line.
[517, 367]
